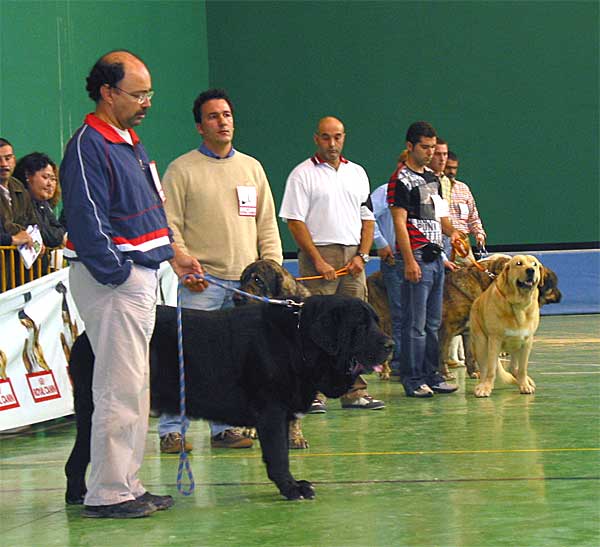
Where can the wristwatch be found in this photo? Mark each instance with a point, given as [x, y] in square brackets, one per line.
[365, 257]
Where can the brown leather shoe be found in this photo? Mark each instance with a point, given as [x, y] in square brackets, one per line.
[230, 438]
[171, 444]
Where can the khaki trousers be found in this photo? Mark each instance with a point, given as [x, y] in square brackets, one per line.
[338, 256]
[119, 323]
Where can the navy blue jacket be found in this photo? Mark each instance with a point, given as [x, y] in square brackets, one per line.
[113, 211]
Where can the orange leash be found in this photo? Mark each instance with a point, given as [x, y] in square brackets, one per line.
[462, 251]
[340, 272]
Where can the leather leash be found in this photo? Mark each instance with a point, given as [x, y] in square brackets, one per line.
[462, 251]
[340, 272]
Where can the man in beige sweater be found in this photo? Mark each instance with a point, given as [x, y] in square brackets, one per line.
[220, 207]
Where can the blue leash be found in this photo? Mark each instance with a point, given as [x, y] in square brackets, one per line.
[183, 456]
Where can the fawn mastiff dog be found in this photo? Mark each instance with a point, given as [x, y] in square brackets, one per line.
[504, 318]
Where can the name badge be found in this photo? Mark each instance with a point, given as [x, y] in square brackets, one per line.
[247, 201]
[156, 179]
[464, 210]
[440, 206]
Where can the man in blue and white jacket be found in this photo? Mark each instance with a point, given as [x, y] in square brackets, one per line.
[118, 236]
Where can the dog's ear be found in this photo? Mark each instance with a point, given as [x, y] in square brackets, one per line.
[543, 278]
[337, 328]
[324, 332]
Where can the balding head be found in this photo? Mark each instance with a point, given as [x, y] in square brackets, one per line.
[328, 123]
[329, 138]
[110, 69]
[121, 86]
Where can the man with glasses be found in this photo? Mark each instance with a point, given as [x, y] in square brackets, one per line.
[118, 236]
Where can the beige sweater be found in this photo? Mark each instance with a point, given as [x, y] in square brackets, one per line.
[203, 212]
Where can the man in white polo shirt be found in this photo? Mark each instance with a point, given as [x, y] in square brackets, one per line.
[328, 210]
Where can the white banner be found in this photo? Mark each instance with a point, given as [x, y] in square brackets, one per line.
[39, 323]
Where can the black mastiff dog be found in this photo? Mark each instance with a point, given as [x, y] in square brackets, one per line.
[255, 366]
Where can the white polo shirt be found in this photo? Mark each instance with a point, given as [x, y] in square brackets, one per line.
[330, 202]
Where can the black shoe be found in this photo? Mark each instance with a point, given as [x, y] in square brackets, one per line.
[131, 509]
[161, 502]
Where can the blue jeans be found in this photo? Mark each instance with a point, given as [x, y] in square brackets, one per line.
[213, 298]
[421, 305]
[392, 279]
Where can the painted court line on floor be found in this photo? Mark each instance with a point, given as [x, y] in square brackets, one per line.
[258, 454]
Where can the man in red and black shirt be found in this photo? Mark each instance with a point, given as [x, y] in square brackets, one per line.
[420, 215]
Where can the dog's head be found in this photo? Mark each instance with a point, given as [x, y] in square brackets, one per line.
[495, 263]
[548, 288]
[520, 277]
[269, 279]
[347, 330]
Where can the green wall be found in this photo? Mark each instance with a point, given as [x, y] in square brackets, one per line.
[48, 48]
[513, 87]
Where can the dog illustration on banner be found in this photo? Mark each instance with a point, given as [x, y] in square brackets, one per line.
[70, 331]
[3, 365]
[42, 384]
[33, 355]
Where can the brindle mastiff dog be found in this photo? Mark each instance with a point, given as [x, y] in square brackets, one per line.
[268, 278]
[461, 288]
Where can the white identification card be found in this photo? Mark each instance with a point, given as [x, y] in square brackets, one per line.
[247, 201]
[440, 205]
[464, 210]
[156, 180]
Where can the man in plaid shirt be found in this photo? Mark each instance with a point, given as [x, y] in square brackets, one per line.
[463, 210]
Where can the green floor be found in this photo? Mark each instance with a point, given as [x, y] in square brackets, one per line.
[454, 470]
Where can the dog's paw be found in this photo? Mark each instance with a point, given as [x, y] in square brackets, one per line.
[528, 387]
[306, 489]
[300, 490]
[249, 432]
[75, 494]
[483, 390]
[298, 443]
[475, 375]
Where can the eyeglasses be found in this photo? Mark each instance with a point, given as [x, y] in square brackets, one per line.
[141, 98]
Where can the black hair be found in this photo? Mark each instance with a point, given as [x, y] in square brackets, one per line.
[4, 142]
[452, 156]
[418, 130]
[105, 72]
[30, 164]
[208, 95]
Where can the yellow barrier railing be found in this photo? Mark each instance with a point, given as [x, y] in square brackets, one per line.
[13, 272]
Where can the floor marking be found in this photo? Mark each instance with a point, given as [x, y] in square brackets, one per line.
[567, 373]
[566, 341]
[407, 453]
[294, 454]
[542, 363]
[324, 482]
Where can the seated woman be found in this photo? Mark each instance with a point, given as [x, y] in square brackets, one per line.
[39, 175]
